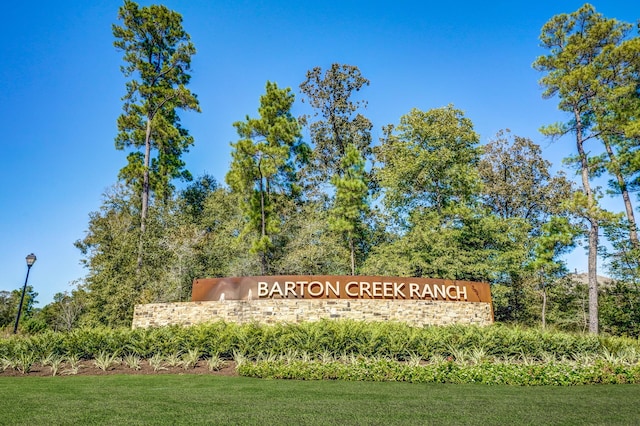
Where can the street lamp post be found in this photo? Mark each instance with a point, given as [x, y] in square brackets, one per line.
[31, 259]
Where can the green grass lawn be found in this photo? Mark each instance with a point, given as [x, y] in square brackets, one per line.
[206, 399]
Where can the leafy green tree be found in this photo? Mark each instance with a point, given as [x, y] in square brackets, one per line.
[623, 257]
[575, 71]
[557, 236]
[157, 53]
[611, 162]
[6, 308]
[9, 302]
[430, 160]
[114, 284]
[621, 309]
[109, 248]
[517, 182]
[350, 203]
[263, 166]
[518, 188]
[64, 312]
[309, 246]
[427, 169]
[336, 128]
[615, 114]
[567, 304]
[194, 196]
[339, 123]
[220, 252]
[459, 242]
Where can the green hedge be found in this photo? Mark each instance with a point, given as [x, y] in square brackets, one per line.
[447, 372]
[396, 341]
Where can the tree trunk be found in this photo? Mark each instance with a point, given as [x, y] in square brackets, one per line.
[145, 194]
[263, 233]
[353, 256]
[633, 232]
[263, 220]
[544, 306]
[593, 227]
[593, 278]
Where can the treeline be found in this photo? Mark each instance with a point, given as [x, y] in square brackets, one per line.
[426, 200]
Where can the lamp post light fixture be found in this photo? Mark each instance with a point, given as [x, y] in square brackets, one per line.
[31, 259]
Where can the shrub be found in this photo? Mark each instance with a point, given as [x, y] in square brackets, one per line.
[472, 347]
[446, 372]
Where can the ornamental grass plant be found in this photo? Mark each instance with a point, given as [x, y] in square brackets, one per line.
[343, 349]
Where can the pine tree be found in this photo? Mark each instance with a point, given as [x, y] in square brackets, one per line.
[157, 53]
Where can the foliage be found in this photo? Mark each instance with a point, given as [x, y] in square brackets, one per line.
[194, 197]
[317, 340]
[308, 246]
[114, 284]
[190, 358]
[346, 350]
[157, 52]
[430, 160]
[132, 361]
[517, 181]
[623, 256]
[215, 363]
[65, 310]
[9, 302]
[459, 243]
[350, 203]
[106, 361]
[109, 248]
[557, 236]
[447, 207]
[219, 252]
[427, 169]
[55, 362]
[520, 374]
[620, 311]
[340, 124]
[263, 168]
[6, 308]
[582, 71]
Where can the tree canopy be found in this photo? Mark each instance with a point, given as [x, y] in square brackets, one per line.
[426, 200]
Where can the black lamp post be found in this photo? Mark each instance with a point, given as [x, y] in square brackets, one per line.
[31, 259]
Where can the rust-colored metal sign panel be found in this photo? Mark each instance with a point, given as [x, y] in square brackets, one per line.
[338, 287]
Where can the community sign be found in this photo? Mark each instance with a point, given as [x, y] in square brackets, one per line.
[338, 287]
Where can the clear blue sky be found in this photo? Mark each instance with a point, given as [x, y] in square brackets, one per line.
[61, 90]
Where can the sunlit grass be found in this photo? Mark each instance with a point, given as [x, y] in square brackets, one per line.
[204, 399]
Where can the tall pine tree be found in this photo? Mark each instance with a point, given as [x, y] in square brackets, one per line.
[263, 166]
[577, 72]
[157, 53]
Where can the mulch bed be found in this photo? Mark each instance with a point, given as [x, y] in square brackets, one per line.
[88, 368]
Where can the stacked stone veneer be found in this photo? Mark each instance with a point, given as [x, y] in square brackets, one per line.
[415, 312]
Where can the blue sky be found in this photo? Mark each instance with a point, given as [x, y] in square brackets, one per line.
[61, 90]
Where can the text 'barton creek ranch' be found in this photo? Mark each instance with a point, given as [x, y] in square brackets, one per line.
[339, 287]
[361, 290]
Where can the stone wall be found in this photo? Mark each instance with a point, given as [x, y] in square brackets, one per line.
[415, 312]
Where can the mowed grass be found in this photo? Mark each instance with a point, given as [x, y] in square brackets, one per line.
[204, 399]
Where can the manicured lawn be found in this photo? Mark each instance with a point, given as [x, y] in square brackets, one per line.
[206, 399]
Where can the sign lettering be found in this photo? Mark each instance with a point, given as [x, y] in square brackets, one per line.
[339, 287]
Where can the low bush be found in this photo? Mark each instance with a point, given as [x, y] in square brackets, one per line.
[557, 374]
[468, 354]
